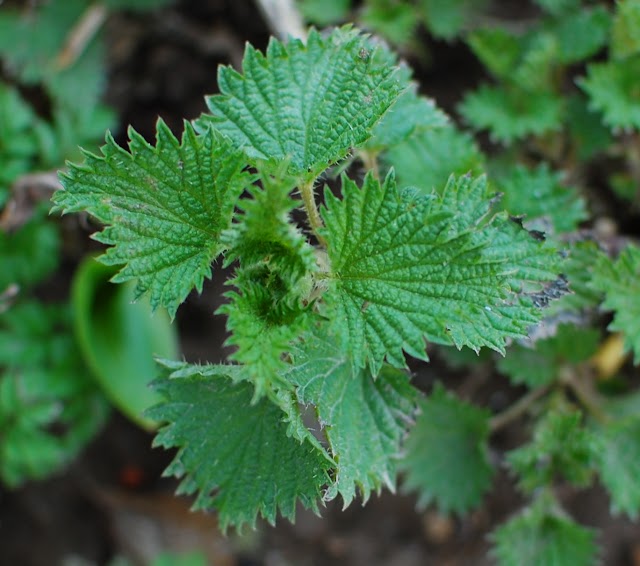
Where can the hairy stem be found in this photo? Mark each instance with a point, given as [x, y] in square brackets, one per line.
[516, 410]
[315, 221]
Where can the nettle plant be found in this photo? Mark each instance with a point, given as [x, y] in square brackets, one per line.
[316, 401]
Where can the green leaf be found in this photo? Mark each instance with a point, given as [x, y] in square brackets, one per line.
[510, 115]
[31, 55]
[118, 340]
[445, 19]
[30, 254]
[307, 103]
[544, 534]
[497, 49]
[447, 455]
[625, 33]
[136, 5]
[558, 7]
[429, 157]
[49, 410]
[269, 308]
[395, 21]
[18, 145]
[578, 269]
[620, 282]
[324, 12]
[581, 34]
[410, 114]
[543, 363]
[164, 207]
[613, 90]
[235, 454]
[561, 447]
[534, 72]
[539, 196]
[405, 267]
[364, 418]
[618, 461]
[588, 132]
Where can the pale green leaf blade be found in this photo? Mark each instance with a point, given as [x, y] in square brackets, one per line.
[539, 195]
[544, 535]
[618, 461]
[581, 34]
[235, 455]
[620, 281]
[307, 103]
[409, 114]
[164, 207]
[511, 115]
[364, 418]
[447, 455]
[427, 158]
[405, 267]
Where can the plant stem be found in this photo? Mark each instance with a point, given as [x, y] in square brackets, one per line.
[370, 161]
[81, 35]
[315, 221]
[585, 394]
[283, 18]
[516, 410]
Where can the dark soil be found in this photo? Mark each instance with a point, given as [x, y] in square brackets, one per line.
[113, 500]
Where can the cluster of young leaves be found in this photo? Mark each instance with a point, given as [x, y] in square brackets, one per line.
[33, 44]
[529, 69]
[397, 20]
[320, 322]
[49, 410]
[49, 407]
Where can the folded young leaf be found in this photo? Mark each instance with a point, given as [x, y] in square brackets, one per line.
[405, 267]
[544, 534]
[620, 282]
[365, 419]
[237, 456]
[268, 309]
[618, 461]
[308, 103]
[447, 460]
[164, 207]
[49, 409]
[561, 447]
